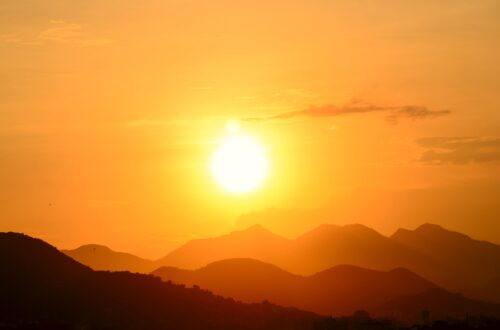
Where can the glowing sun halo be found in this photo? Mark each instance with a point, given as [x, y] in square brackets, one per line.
[239, 164]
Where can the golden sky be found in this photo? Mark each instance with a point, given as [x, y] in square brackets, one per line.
[380, 112]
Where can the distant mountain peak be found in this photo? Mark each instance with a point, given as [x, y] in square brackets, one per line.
[93, 247]
[320, 230]
[355, 229]
[358, 227]
[400, 232]
[343, 268]
[255, 230]
[238, 262]
[100, 257]
[257, 227]
[430, 226]
[433, 229]
[428, 230]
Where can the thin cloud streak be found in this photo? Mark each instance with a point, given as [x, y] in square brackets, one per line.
[394, 113]
[459, 150]
[58, 32]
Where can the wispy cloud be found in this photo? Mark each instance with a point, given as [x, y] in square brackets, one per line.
[60, 32]
[145, 123]
[15, 39]
[70, 33]
[394, 113]
[459, 150]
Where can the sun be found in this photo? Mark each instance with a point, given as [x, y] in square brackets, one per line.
[239, 164]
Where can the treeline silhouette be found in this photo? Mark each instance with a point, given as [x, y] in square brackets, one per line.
[361, 320]
[41, 288]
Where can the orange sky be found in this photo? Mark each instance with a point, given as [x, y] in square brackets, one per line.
[381, 112]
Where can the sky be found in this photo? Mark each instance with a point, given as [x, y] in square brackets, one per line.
[379, 112]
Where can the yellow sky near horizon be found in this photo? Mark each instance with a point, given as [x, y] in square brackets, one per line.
[110, 113]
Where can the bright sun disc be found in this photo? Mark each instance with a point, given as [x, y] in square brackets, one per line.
[240, 164]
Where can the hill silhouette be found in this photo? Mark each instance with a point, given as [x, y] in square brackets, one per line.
[451, 260]
[255, 242]
[321, 248]
[464, 264]
[358, 245]
[43, 288]
[340, 290]
[99, 257]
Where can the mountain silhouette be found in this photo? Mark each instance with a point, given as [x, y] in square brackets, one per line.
[42, 288]
[245, 279]
[464, 264]
[330, 245]
[321, 248]
[99, 257]
[255, 242]
[453, 261]
[340, 290]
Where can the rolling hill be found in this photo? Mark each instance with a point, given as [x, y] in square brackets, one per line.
[254, 242]
[466, 265]
[340, 290]
[42, 288]
[99, 257]
[452, 260]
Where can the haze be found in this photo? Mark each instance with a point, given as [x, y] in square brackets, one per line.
[380, 113]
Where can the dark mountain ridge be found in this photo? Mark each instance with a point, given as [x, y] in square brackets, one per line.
[452, 260]
[340, 290]
[469, 266]
[43, 287]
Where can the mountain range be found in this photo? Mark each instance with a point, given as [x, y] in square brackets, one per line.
[340, 290]
[449, 259]
[41, 288]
